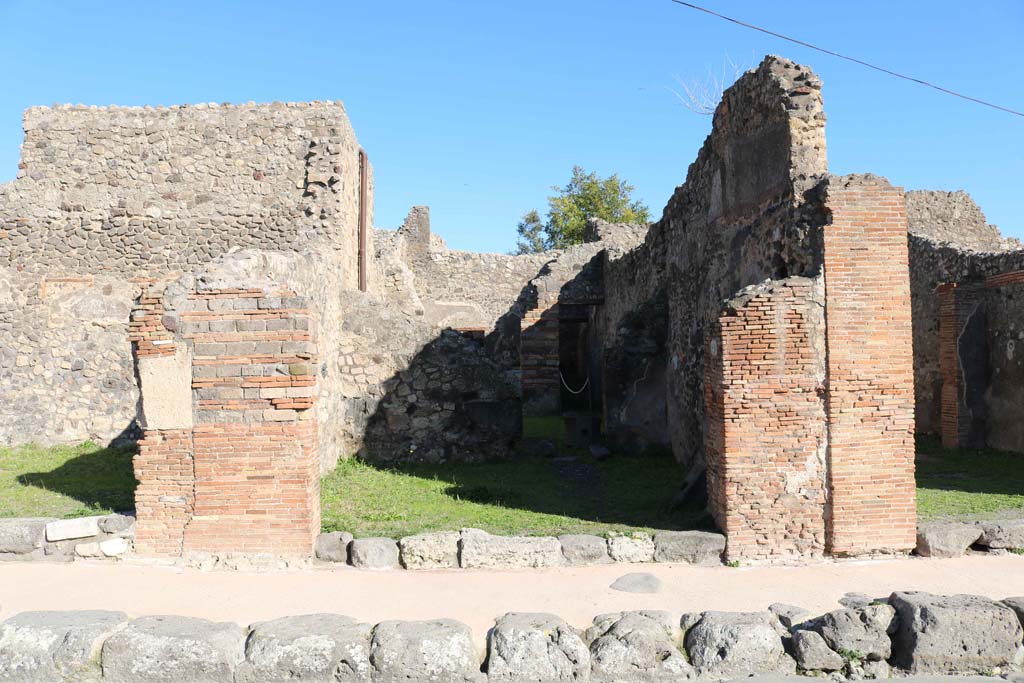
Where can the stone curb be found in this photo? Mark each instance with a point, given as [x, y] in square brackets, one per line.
[907, 633]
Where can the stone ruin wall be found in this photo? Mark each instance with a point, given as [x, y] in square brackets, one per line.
[107, 200]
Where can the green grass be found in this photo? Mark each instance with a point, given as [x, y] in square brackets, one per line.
[65, 481]
[967, 484]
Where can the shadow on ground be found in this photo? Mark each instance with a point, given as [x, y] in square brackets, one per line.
[967, 483]
[100, 479]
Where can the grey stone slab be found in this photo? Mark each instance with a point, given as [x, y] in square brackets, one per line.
[865, 630]
[333, 546]
[730, 644]
[373, 553]
[438, 651]
[580, 550]
[538, 648]
[946, 539]
[438, 550]
[813, 653]
[637, 582]
[22, 535]
[82, 527]
[1007, 534]
[694, 547]
[327, 648]
[174, 649]
[481, 550]
[55, 646]
[636, 647]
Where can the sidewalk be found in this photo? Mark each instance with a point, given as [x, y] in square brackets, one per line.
[478, 597]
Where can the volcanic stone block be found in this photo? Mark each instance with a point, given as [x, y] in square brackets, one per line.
[581, 550]
[412, 651]
[55, 646]
[314, 647]
[374, 553]
[480, 550]
[814, 654]
[946, 539]
[694, 547]
[737, 644]
[22, 535]
[430, 551]
[174, 649]
[333, 546]
[631, 548]
[636, 647]
[536, 647]
[83, 527]
[864, 629]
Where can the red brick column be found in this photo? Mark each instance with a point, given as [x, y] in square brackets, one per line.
[870, 369]
[766, 428]
[538, 356]
[232, 465]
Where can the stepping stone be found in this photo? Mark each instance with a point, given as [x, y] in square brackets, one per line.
[637, 582]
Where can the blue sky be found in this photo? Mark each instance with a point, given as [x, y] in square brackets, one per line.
[477, 107]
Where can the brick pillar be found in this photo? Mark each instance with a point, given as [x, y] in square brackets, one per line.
[963, 365]
[870, 368]
[229, 458]
[538, 355]
[766, 427]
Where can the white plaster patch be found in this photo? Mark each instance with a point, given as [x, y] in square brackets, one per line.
[166, 383]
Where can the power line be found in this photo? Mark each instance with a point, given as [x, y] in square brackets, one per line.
[849, 59]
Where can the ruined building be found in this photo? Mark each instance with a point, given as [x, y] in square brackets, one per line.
[781, 329]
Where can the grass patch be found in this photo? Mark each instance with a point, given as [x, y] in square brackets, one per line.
[66, 481]
[524, 496]
[967, 484]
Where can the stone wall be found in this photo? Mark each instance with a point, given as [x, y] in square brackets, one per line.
[907, 632]
[107, 199]
[953, 218]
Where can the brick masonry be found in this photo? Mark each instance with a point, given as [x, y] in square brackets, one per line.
[243, 475]
[870, 368]
[766, 435]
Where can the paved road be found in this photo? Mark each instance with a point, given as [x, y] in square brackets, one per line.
[477, 597]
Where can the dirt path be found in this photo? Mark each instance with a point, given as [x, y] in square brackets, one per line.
[477, 597]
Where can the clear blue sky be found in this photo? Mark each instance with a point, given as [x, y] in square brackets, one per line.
[477, 108]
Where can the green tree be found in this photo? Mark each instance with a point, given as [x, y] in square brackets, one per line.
[586, 196]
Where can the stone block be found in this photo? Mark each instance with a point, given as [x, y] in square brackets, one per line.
[22, 535]
[637, 582]
[537, 648]
[173, 649]
[55, 646]
[947, 539]
[63, 529]
[788, 615]
[90, 549]
[314, 647]
[864, 629]
[114, 547]
[429, 651]
[580, 550]
[1003, 534]
[430, 551]
[117, 523]
[737, 644]
[166, 387]
[480, 550]
[631, 548]
[1017, 605]
[373, 553]
[813, 653]
[333, 546]
[954, 634]
[636, 647]
[694, 547]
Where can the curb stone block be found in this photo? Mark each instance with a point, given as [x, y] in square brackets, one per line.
[55, 646]
[116, 523]
[438, 651]
[333, 546]
[82, 527]
[19, 536]
[631, 548]
[1007, 534]
[695, 547]
[865, 629]
[1017, 605]
[430, 551]
[788, 615]
[114, 547]
[90, 549]
[581, 550]
[602, 622]
[737, 644]
[373, 553]
[315, 647]
[946, 539]
[540, 648]
[954, 634]
[481, 550]
[813, 653]
[173, 649]
[635, 647]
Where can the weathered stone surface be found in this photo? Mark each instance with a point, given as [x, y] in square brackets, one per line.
[114, 547]
[333, 546]
[315, 647]
[954, 634]
[116, 523]
[436, 651]
[637, 582]
[788, 615]
[90, 549]
[694, 547]
[636, 647]
[948, 539]
[82, 527]
[737, 644]
[539, 648]
[864, 629]
[855, 600]
[1003, 534]
[55, 646]
[480, 550]
[580, 550]
[174, 649]
[813, 653]
[631, 548]
[430, 551]
[22, 535]
[1017, 605]
[373, 553]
